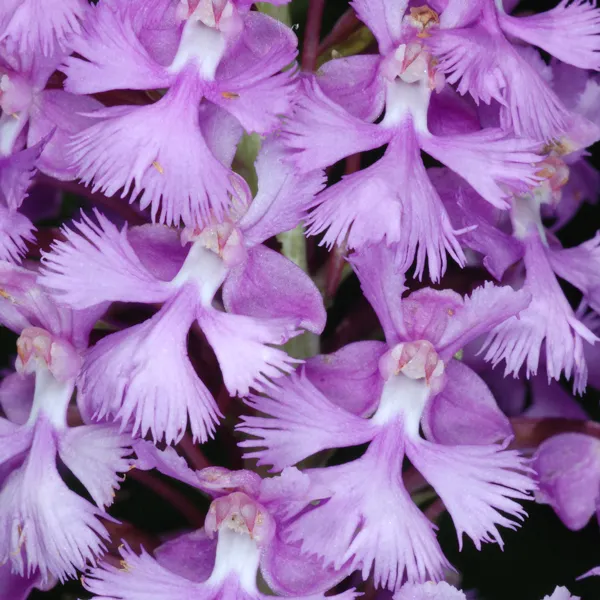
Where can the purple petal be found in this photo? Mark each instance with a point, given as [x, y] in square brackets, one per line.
[568, 471]
[30, 29]
[119, 376]
[350, 377]
[283, 194]
[56, 530]
[15, 587]
[16, 173]
[377, 527]
[244, 348]
[112, 56]
[467, 209]
[268, 285]
[476, 483]
[96, 455]
[191, 555]
[429, 591]
[61, 114]
[159, 249]
[384, 19]
[487, 306]
[570, 32]
[16, 230]
[249, 85]
[16, 397]
[407, 210]
[354, 83]
[450, 113]
[95, 263]
[144, 578]
[287, 433]
[465, 411]
[549, 318]
[289, 572]
[382, 280]
[222, 132]
[580, 266]
[138, 149]
[488, 160]
[322, 132]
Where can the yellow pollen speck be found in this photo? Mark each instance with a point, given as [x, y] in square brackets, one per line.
[124, 566]
[158, 167]
[450, 312]
[5, 294]
[14, 115]
[423, 35]
[230, 95]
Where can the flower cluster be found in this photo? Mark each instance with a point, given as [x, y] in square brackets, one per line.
[202, 149]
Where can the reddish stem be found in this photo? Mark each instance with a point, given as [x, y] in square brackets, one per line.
[344, 26]
[174, 497]
[310, 50]
[193, 453]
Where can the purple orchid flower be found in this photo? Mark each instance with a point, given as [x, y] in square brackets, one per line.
[225, 71]
[241, 536]
[474, 52]
[266, 299]
[393, 199]
[46, 526]
[377, 528]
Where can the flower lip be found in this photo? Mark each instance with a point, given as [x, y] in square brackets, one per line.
[415, 360]
[242, 515]
[224, 239]
[37, 348]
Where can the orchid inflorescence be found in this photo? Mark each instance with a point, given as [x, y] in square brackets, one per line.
[208, 163]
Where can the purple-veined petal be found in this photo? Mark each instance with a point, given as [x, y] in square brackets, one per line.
[269, 285]
[96, 455]
[350, 377]
[245, 348]
[476, 483]
[96, 263]
[568, 475]
[465, 411]
[119, 376]
[298, 421]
